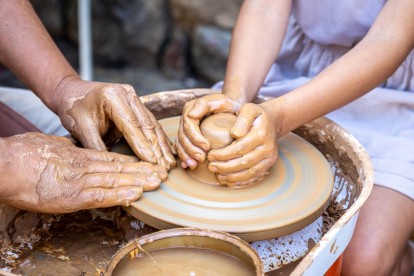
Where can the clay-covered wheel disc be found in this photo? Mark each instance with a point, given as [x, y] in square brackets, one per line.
[291, 197]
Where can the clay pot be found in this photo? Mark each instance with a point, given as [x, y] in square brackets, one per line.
[192, 237]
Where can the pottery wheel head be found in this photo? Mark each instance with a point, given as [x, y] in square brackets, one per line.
[216, 128]
[292, 196]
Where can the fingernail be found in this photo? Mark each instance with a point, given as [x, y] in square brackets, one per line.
[165, 164]
[163, 176]
[162, 171]
[193, 112]
[133, 159]
[154, 178]
[135, 191]
[197, 156]
[192, 163]
[212, 168]
[154, 183]
[237, 131]
[184, 165]
[221, 177]
[211, 158]
[205, 147]
[173, 165]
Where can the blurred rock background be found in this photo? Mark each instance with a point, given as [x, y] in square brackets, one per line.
[154, 45]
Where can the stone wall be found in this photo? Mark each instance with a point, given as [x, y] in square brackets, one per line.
[182, 38]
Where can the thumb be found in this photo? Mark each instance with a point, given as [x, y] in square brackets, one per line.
[214, 103]
[199, 109]
[245, 117]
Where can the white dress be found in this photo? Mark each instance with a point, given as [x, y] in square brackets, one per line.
[320, 32]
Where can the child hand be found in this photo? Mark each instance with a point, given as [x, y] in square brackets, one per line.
[191, 144]
[248, 159]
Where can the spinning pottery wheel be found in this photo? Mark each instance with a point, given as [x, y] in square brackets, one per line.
[292, 196]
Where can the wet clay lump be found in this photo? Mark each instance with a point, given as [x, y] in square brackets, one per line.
[216, 128]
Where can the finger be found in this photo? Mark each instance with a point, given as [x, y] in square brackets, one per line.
[191, 129]
[154, 142]
[245, 117]
[88, 134]
[164, 142]
[96, 155]
[172, 147]
[183, 164]
[252, 172]
[148, 182]
[186, 161]
[190, 149]
[213, 103]
[148, 125]
[101, 198]
[112, 136]
[127, 123]
[132, 168]
[247, 161]
[236, 149]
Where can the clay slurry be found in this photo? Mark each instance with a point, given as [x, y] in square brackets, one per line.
[182, 261]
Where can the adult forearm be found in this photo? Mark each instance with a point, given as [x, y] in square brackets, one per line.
[256, 41]
[28, 50]
[362, 69]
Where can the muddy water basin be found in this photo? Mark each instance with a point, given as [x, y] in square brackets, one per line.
[84, 242]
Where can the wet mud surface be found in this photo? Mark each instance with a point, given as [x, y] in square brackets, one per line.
[81, 243]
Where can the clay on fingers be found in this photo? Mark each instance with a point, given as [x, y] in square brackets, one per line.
[91, 111]
[60, 178]
[243, 162]
[216, 128]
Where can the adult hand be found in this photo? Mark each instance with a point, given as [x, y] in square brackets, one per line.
[45, 173]
[97, 114]
[248, 159]
[191, 144]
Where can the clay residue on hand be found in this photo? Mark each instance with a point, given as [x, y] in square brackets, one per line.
[49, 174]
[111, 111]
[216, 128]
